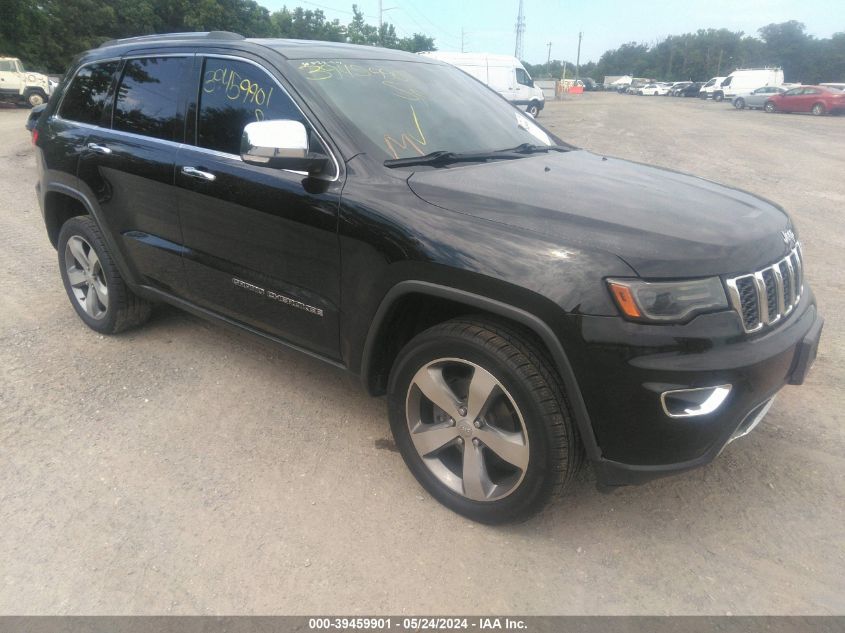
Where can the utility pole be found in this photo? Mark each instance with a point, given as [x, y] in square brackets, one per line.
[520, 31]
[381, 12]
[462, 39]
[578, 58]
[549, 61]
[719, 65]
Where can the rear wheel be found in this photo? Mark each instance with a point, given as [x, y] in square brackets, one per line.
[92, 282]
[480, 418]
[739, 104]
[769, 107]
[818, 109]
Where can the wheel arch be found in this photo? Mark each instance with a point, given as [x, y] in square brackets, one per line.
[59, 207]
[381, 347]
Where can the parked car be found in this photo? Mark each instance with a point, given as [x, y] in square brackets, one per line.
[675, 88]
[815, 99]
[390, 215]
[709, 88]
[503, 73]
[756, 98]
[692, 90]
[21, 86]
[653, 90]
[744, 80]
[836, 86]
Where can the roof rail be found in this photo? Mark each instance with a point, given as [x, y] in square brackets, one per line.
[206, 35]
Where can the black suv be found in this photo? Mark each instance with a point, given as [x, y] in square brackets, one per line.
[391, 215]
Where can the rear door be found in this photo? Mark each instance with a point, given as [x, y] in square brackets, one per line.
[261, 243]
[127, 166]
[809, 97]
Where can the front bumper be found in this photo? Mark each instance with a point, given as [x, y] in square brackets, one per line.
[623, 368]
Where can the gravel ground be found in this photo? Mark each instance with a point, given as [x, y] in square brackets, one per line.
[182, 468]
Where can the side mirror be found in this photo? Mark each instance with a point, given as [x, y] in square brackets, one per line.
[282, 144]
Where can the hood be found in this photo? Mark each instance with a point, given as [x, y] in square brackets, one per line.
[662, 223]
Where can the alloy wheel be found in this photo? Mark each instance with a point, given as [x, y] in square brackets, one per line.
[467, 429]
[86, 277]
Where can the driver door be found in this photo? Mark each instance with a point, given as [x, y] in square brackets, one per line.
[261, 243]
[10, 81]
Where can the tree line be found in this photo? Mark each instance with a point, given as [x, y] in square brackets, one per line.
[47, 34]
[716, 52]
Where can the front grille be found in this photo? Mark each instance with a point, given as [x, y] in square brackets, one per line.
[766, 296]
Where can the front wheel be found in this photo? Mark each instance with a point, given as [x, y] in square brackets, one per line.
[533, 109]
[739, 104]
[481, 420]
[92, 282]
[36, 98]
[769, 107]
[718, 96]
[818, 109]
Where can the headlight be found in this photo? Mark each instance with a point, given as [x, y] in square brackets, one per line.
[667, 300]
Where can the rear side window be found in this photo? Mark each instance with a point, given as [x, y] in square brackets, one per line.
[87, 96]
[7, 66]
[232, 94]
[148, 97]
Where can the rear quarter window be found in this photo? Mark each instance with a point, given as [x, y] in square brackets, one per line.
[87, 96]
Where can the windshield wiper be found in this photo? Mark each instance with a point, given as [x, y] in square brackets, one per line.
[444, 157]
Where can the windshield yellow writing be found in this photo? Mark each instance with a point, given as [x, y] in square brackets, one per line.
[398, 82]
[407, 139]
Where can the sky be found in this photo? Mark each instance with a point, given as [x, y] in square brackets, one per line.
[489, 25]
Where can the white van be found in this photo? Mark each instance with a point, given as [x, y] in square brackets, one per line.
[504, 74]
[746, 80]
[708, 89]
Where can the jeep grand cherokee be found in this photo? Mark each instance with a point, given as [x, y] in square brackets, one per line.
[390, 215]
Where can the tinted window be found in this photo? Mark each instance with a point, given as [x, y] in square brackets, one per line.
[811, 91]
[794, 91]
[148, 97]
[86, 96]
[6, 66]
[234, 93]
[522, 77]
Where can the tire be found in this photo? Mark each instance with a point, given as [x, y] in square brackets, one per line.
[718, 96]
[96, 291]
[739, 104]
[818, 109]
[525, 399]
[533, 109]
[769, 107]
[36, 98]
[702, 96]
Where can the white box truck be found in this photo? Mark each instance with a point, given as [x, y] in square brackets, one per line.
[746, 80]
[502, 73]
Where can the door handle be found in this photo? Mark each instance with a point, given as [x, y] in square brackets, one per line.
[99, 149]
[199, 174]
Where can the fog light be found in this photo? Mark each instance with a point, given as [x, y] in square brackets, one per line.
[688, 403]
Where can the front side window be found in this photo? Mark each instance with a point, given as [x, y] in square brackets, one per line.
[793, 92]
[86, 97]
[522, 77]
[7, 66]
[148, 97]
[232, 94]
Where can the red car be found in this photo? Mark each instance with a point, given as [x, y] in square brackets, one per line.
[816, 99]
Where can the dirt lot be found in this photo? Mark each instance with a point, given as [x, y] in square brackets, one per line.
[185, 469]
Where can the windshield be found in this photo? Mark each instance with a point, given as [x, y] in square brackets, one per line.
[402, 109]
